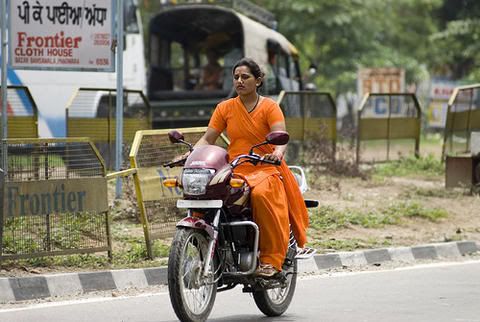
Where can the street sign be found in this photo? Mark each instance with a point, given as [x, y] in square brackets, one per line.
[61, 35]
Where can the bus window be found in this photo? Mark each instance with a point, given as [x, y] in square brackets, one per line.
[229, 60]
[275, 69]
[295, 74]
[176, 65]
[202, 47]
[130, 17]
[212, 73]
[282, 71]
[192, 70]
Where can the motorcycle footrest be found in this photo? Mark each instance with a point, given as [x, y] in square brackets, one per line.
[305, 253]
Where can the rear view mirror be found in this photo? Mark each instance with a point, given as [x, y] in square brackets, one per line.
[175, 136]
[278, 138]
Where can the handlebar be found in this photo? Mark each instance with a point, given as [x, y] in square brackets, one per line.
[277, 162]
[253, 158]
[176, 163]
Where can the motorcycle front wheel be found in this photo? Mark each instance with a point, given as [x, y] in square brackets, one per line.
[274, 302]
[191, 293]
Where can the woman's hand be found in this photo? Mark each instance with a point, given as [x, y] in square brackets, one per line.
[276, 155]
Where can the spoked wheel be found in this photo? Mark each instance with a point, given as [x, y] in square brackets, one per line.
[274, 302]
[191, 293]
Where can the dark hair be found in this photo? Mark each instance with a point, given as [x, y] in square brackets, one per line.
[252, 65]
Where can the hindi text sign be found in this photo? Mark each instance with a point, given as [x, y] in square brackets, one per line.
[61, 35]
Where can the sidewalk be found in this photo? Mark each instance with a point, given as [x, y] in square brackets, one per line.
[41, 287]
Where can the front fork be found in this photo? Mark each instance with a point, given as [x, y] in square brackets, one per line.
[211, 229]
[212, 243]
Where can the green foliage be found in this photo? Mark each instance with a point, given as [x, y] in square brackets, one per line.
[414, 209]
[341, 36]
[19, 246]
[129, 249]
[348, 244]
[327, 218]
[456, 47]
[428, 166]
[433, 193]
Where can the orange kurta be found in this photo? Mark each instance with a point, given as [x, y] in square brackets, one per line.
[276, 199]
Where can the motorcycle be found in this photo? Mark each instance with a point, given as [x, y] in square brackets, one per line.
[215, 247]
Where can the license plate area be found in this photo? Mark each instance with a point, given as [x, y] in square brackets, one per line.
[182, 203]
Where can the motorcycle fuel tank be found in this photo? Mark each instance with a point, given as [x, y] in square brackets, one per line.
[207, 157]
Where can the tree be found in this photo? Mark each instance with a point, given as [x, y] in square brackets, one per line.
[457, 50]
[342, 35]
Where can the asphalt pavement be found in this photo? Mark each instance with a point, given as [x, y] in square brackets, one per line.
[18, 289]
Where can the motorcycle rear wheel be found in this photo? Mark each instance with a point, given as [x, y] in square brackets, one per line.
[192, 295]
[274, 302]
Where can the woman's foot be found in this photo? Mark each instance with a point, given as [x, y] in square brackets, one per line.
[265, 270]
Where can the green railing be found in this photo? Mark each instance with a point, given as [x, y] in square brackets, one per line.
[388, 127]
[311, 118]
[54, 199]
[463, 118]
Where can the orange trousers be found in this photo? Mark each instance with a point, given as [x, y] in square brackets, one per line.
[270, 213]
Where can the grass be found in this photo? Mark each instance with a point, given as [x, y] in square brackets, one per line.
[433, 193]
[327, 219]
[329, 245]
[132, 255]
[428, 166]
[130, 250]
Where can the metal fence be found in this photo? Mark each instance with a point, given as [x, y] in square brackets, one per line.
[311, 118]
[92, 113]
[54, 199]
[463, 118]
[388, 127]
[150, 150]
[22, 113]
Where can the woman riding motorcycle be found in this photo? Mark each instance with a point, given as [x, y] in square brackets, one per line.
[276, 201]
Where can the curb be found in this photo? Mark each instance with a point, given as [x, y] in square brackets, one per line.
[15, 289]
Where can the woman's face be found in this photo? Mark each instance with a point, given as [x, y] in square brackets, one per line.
[244, 81]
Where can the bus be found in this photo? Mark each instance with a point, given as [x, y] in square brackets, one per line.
[183, 39]
[170, 67]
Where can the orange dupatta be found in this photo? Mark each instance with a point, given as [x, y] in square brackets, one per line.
[297, 211]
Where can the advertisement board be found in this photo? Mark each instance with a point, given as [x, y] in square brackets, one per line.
[61, 35]
[54, 196]
[440, 92]
[380, 80]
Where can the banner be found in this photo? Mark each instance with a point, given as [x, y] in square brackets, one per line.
[437, 107]
[54, 196]
[380, 80]
[61, 35]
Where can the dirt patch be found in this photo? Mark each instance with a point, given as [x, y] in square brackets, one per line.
[461, 223]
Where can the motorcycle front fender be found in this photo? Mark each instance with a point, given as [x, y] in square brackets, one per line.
[197, 223]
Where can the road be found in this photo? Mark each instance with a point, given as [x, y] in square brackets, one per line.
[436, 292]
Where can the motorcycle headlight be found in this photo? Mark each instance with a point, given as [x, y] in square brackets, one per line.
[195, 181]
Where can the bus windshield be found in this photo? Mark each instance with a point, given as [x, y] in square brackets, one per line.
[192, 50]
